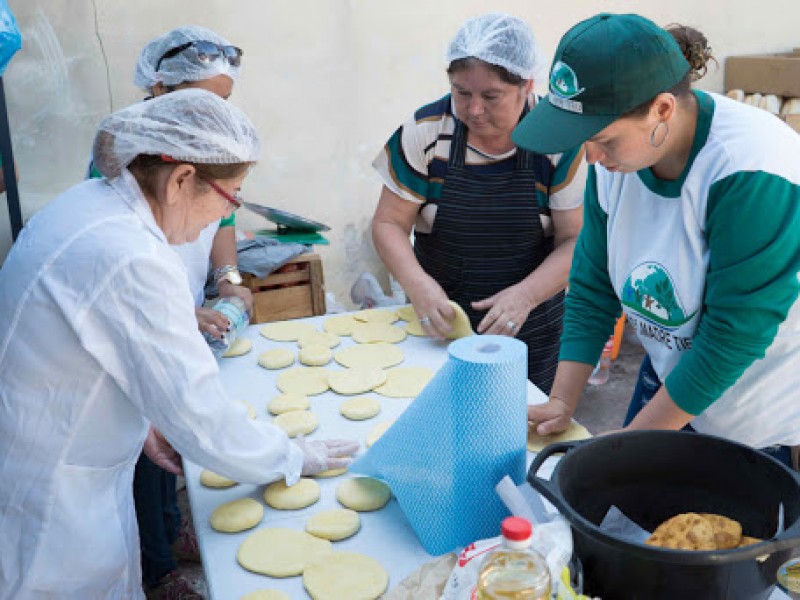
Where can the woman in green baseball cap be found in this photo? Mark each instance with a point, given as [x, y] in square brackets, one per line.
[691, 227]
[494, 225]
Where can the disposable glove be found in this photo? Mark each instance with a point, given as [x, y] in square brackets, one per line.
[321, 455]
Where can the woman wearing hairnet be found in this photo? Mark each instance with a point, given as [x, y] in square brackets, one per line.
[101, 347]
[494, 225]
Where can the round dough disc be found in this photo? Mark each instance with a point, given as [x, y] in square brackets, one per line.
[370, 333]
[303, 493]
[280, 552]
[308, 381]
[377, 432]
[461, 325]
[375, 315]
[339, 325]
[334, 525]
[378, 356]
[355, 381]
[345, 575]
[363, 494]
[361, 408]
[266, 595]
[238, 347]
[406, 313]
[415, 328]
[405, 382]
[315, 355]
[277, 358]
[330, 473]
[322, 338]
[536, 442]
[285, 331]
[238, 515]
[287, 402]
[212, 480]
[296, 422]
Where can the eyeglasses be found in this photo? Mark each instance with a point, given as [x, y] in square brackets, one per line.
[235, 200]
[205, 52]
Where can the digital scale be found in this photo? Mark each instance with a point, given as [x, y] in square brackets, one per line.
[290, 227]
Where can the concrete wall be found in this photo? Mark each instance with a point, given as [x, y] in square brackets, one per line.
[325, 81]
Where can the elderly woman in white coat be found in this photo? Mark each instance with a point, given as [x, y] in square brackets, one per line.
[101, 351]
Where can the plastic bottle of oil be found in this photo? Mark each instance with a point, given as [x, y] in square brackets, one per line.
[514, 571]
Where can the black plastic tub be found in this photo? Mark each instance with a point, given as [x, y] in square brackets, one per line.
[652, 476]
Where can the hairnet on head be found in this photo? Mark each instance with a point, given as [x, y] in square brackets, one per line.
[180, 68]
[189, 125]
[499, 39]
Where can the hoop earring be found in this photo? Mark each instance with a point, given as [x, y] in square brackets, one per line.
[653, 135]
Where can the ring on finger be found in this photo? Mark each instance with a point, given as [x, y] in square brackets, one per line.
[425, 320]
[511, 325]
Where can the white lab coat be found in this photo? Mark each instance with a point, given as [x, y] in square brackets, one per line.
[99, 338]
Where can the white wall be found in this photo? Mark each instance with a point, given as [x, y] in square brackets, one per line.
[325, 81]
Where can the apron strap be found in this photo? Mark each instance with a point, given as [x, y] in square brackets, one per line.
[458, 145]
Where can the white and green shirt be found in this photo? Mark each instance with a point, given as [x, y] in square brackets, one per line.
[706, 269]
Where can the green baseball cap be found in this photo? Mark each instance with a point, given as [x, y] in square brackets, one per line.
[603, 68]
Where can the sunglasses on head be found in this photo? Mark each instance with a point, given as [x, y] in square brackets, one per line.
[205, 52]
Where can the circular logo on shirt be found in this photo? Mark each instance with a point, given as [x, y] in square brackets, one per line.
[649, 292]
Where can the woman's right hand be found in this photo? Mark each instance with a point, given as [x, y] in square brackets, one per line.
[433, 308]
[212, 322]
[553, 416]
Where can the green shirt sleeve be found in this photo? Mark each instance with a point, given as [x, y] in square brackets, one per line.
[93, 172]
[753, 233]
[592, 307]
[228, 221]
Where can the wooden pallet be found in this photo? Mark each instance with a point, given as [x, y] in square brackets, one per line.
[294, 291]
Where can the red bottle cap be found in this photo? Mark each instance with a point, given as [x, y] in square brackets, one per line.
[516, 529]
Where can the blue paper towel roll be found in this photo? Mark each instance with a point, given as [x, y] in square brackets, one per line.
[445, 454]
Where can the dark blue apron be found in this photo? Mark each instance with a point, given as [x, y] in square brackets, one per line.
[487, 236]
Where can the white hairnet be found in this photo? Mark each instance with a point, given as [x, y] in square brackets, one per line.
[180, 67]
[191, 125]
[502, 40]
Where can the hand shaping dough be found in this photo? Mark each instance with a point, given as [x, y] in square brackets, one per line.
[318, 337]
[279, 552]
[355, 381]
[339, 325]
[287, 402]
[238, 347]
[285, 331]
[212, 480]
[277, 358]
[315, 355]
[334, 525]
[363, 494]
[296, 422]
[377, 432]
[308, 381]
[379, 355]
[405, 382]
[266, 595]
[370, 333]
[461, 326]
[536, 442]
[345, 575]
[304, 493]
[375, 315]
[415, 328]
[238, 515]
[406, 313]
[361, 408]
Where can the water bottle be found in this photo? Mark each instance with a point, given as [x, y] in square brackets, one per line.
[515, 570]
[235, 310]
[601, 372]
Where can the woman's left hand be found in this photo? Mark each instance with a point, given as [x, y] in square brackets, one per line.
[159, 450]
[508, 311]
[227, 289]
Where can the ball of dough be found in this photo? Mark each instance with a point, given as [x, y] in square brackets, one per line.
[212, 480]
[345, 575]
[370, 333]
[237, 515]
[304, 493]
[323, 338]
[355, 381]
[315, 355]
[376, 356]
[266, 595]
[286, 331]
[405, 382]
[308, 381]
[277, 358]
[361, 408]
[238, 347]
[287, 402]
[280, 552]
[296, 422]
[339, 325]
[363, 494]
[334, 525]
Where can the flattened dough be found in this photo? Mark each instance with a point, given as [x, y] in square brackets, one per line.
[355, 381]
[334, 525]
[370, 333]
[345, 575]
[405, 382]
[330, 473]
[536, 442]
[277, 358]
[339, 324]
[375, 315]
[363, 494]
[361, 408]
[266, 595]
[415, 328]
[285, 331]
[238, 515]
[461, 324]
[378, 431]
[318, 337]
[315, 355]
[280, 552]
[238, 347]
[287, 402]
[406, 313]
[308, 381]
[296, 422]
[303, 493]
[379, 355]
[212, 480]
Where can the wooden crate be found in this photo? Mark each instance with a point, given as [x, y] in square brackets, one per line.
[294, 291]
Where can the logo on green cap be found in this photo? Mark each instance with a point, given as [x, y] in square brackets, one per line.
[563, 81]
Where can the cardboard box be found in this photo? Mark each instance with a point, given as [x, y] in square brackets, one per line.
[777, 74]
[793, 121]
